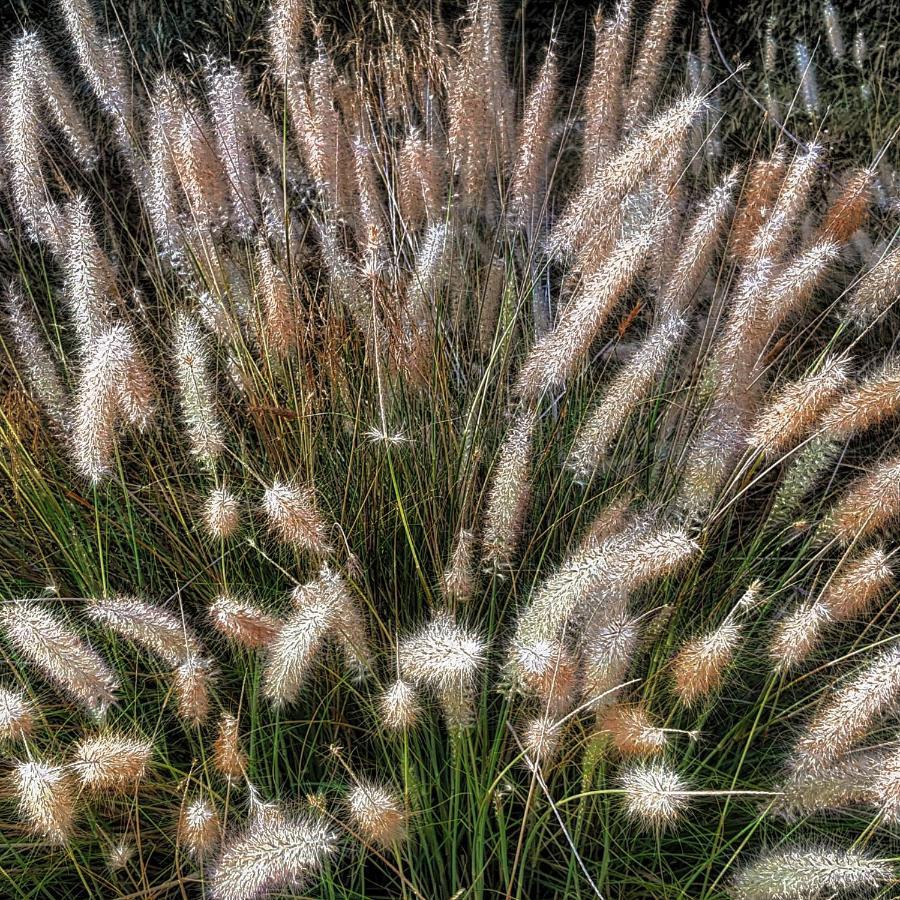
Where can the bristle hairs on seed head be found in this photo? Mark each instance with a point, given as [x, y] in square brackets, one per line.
[240, 621]
[377, 814]
[631, 730]
[446, 658]
[399, 706]
[294, 516]
[16, 715]
[59, 653]
[795, 409]
[324, 608]
[849, 712]
[510, 491]
[46, 799]
[199, 827]
[458, 578]
[655, 796]
[870, 503]
[229, 757]
[699, 666]
[871, 402]
[807, 873]
[111, 762]
[221, 513]
[151, 627]
[877, 289]
[275, 851]
[192, 680]
[39, 368]
[191, 353]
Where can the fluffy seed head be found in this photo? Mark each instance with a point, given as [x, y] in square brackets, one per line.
[241, 621]
[797, 635]
[868, 505]
[808, 873]
[120, 854]
[192, 680]
[16, 715]
[46, 799]
[871, 402]
[631, 730]
[221, 513]
[858, 583]
[877, 290]
[274, 852]
[228, 755]
[399, 706]
[151, 627]
[655, 795]
[849, 712]
[700, 664]
[458, 576]
[294, 516]
[199, 827]
[377, 814]
[541, 739]
[113, 762]
[59, 653]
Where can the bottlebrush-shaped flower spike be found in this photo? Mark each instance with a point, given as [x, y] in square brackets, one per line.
[16, 715]
[228, 755]
[377, 814]
[869, 403]
[221, 513]
[46, 799]
[399, 706]
[294, 516]
[196, 389]
[242, 622]
[59, 653]
[808, 873]
[655, 795]
[877, 289]
[111, 762]
[151, 627]
[192, 680]
[869, 504]
[199, 827]
[446, 658]
[274, 852]
[849, 712]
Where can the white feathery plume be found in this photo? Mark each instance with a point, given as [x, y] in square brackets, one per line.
[39, 368]
[807, 873]
[59, 653]
[46, 799]
[152, 627]
[191, 352]
[274, 852]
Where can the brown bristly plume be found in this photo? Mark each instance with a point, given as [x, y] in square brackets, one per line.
[293, 515]
[229, 757]
[377, 814]
[192, 681]
[760, 190]
[278, 325]
[529, 174]
[867, 505]
[199, 827]
[112, 762]
[877, 289]
[510, 492]
[649, 63]
[631, 730]
[479, 105]
[459, 576]
[869, 403]
[794, 410]
[16, 715]
[603, 92]
[241, 621]
[556, 356]
[848, 213]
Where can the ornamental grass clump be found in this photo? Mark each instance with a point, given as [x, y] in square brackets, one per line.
[512, 413]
